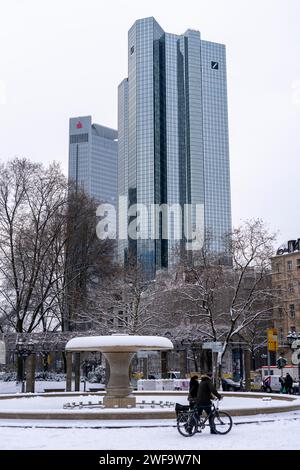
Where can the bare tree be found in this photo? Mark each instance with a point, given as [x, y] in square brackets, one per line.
[129, 303]
[88, 261]
[32, 202]
[49, 252]
[254, 336]
[222, 301]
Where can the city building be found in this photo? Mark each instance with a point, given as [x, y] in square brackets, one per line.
[93, 158]
[286, 285]
[173, 139]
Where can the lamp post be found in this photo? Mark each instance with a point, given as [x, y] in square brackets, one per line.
[264, 356]
[24, 349]
[293, 340]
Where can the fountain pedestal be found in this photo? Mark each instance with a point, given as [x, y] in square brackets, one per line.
[119, 389]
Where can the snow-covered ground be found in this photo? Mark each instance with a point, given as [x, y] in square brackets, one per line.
[278, 431]
[269, 431]
[40, 386]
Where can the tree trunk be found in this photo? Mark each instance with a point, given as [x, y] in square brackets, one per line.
[220, 376]
[164, 364]
[19, 369]
[247, 359]
[30, 373]
[64, 362]
[215, 372]
[195, 359]
[183, 363]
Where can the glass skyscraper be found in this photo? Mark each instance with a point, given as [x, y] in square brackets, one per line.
[93, 153]
[173, 137]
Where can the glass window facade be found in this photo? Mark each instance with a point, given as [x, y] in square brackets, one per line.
[93, 153]
[217, 198]
[123, 174]
[173, 135]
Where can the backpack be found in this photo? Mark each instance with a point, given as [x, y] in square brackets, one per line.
[179, 408]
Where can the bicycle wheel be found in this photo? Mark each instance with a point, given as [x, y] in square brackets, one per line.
[186, 423]
[222, 422]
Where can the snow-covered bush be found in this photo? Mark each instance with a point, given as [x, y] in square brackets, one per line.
[41, 376]
[97, 375]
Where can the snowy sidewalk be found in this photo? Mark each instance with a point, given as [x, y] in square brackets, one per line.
[264, 435]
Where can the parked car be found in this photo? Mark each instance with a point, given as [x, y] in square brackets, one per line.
[174, 374]
[230, 385]
[171, 374]
[153, 376]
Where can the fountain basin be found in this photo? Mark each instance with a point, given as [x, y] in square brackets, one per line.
[51, 406]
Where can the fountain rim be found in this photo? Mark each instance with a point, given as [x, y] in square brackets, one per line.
[118, 343]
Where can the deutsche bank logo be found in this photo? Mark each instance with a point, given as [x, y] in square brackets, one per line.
[215, 65]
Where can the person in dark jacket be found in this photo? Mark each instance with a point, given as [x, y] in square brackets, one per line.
[205, 392]
[193, 389]
[288, 383]
[282, 383]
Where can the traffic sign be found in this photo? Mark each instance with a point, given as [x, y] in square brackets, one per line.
[215, 346]
[272, 339]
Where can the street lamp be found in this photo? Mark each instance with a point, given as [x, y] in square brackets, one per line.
[291, 338]
[264, 356]
[24, 349]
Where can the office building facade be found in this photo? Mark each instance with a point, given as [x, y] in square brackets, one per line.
[173, 137]
[93, 153]
[286, 288]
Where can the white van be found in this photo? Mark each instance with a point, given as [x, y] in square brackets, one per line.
[273, 370]
[271, 383]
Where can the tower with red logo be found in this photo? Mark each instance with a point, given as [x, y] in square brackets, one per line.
[93, 158]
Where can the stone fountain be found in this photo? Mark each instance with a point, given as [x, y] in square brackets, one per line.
[119, 351]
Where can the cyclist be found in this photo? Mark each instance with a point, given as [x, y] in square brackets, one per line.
[193, 390]
[203, 400]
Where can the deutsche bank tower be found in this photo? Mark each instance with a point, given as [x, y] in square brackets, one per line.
[173, 140]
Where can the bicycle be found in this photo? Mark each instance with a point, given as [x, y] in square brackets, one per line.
[189, 422]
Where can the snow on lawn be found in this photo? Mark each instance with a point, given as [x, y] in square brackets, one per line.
[41, 385]
[264, 435]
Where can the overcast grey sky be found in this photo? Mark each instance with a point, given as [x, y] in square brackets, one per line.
[63, 58]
